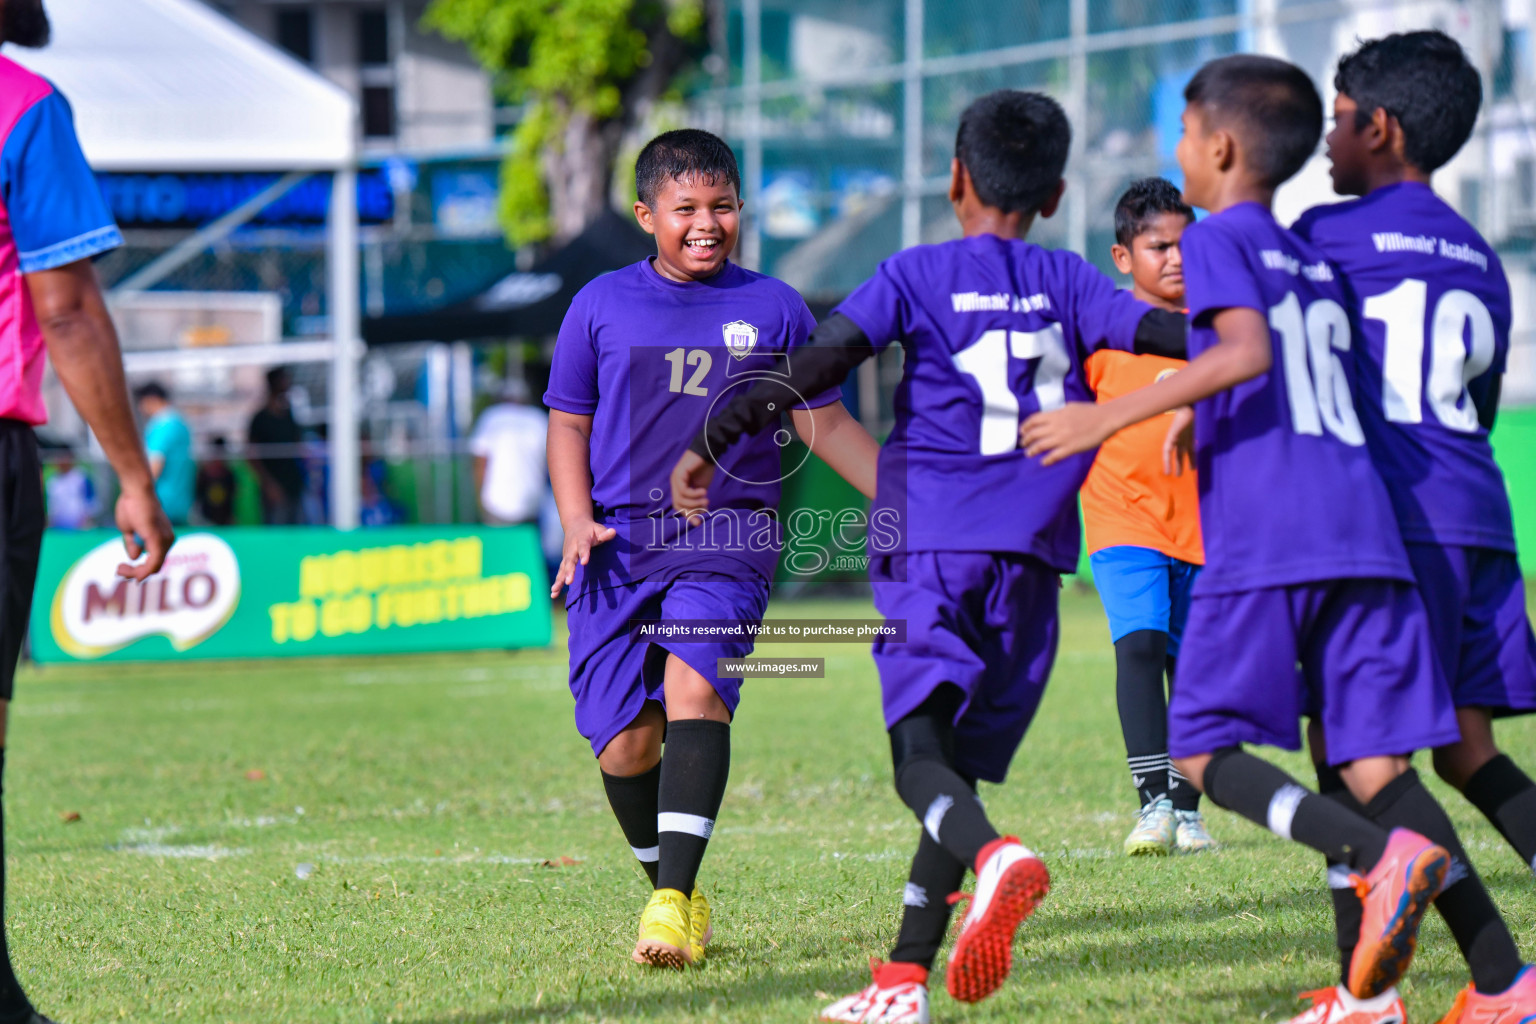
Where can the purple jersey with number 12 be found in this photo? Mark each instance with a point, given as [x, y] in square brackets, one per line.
[993, 330]
[1288, 493]
[1433, 333]
[648, 358]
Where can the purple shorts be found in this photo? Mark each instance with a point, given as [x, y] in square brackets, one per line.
[612, 676]
[983, 622]
[1476, 603]
[1367, 669]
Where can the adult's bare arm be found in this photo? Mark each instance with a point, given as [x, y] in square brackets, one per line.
[82, 344]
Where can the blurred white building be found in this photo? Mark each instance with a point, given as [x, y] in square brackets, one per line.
[417, 92]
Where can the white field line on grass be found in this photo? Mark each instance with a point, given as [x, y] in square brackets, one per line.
[463, 858]
[58, 707]
[149, 842]
[476, 674]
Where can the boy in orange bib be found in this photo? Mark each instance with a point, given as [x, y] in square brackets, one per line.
[1143, 530]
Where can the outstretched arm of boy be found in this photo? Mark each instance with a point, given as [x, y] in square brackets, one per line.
[835, 437]
[1241, 353]
[836, 346]
[840, 441]
[570, 477]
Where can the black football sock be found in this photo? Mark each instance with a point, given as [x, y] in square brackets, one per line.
[694, 767]
[1348, 911]
[634, 802]
[925, 903]
[1267, 796]
[1140, 659]
[1468, 910]
[1181, 791]
[14, 1006]
[922, 748]
[1507, 797]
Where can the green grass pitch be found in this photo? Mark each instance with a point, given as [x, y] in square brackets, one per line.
[425, 792]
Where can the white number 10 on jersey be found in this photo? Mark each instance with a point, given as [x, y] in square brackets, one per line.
[1451, 366]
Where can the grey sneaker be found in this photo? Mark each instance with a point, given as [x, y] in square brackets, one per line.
[1155, 830]
[1190, 835]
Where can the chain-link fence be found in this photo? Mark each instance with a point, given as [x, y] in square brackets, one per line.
[846, 114]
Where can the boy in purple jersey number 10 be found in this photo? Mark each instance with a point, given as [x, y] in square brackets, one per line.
[1311, 579]
[622, 408]
[992, 327]
[1405, 105]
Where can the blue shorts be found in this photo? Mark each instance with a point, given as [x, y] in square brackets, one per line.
[1143, 589]
[612, 675]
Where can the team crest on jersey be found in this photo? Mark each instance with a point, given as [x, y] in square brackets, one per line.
[740, 338]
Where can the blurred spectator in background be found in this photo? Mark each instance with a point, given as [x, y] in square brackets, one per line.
[169, 444]
[71, 496]
[216, 485]
[508, 446]
[281, 476]
[315, 461]
[377, 507]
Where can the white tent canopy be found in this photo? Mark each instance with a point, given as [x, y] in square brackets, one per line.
[171, 85]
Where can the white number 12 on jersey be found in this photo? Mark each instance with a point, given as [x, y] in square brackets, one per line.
[986, 361]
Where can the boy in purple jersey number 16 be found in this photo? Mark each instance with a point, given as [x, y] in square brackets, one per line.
[613, 420]
[1405, 105]
[1274, 398]
[992, 327]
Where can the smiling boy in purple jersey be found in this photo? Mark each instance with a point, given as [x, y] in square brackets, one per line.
[1318, 577]
[641, 355]
[992, 328]
[1406, 104]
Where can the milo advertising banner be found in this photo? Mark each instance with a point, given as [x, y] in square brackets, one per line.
[260, 593]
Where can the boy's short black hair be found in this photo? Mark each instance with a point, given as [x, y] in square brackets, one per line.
[1145, 199]
[151, 389]
[1270, 105]
[1014, 144]
[1425, 81]
[682, 154]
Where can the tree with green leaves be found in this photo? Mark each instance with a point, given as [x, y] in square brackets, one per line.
[585, 72]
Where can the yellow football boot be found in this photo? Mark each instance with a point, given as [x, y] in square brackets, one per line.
[666, 931]
[701, 932]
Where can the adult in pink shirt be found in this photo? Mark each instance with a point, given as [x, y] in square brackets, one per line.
[52, 222]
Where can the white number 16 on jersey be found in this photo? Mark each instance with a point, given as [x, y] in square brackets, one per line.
[986, 361]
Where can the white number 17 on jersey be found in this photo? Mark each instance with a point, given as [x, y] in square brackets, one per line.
[986, 361]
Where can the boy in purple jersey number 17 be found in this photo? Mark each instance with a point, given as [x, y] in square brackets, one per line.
[992, 327]
[621, 408]
[1405, 105]
[1305, 579]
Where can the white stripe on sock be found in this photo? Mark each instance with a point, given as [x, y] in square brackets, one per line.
[693, 824]
[914, 895]
[1340, 877]
[936, 811]
[1282, 808]
[1533, 865]
[647, 854]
